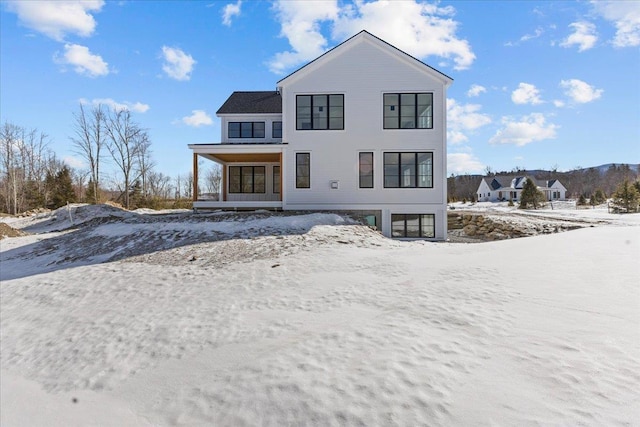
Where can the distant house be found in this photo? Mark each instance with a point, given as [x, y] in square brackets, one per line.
[503, 188]
[362, 128]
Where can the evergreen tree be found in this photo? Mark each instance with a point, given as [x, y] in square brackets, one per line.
[599, 197]
[531, 196]
[626, 196]
[60, 188]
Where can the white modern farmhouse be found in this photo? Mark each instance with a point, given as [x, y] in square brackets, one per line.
[502, 188]
[362, 128]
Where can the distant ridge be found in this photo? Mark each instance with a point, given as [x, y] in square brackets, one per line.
[604, 168]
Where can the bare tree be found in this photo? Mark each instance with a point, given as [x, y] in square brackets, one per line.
[178, 186]
[89, 139]
[23, 157]
[13, 176]
[159, 185]
[188, 185]
[213, 179]
[145, 163]
[125, 138]
[79, 178]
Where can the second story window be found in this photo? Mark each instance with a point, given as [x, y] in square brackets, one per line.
[408, 111]
[246, 130]
[276, 129]
[319, 112]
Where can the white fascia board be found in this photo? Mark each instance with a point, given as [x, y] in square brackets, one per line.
[237, 148]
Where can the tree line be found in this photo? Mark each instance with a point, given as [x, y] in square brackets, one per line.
[32, 176]
[581, 183]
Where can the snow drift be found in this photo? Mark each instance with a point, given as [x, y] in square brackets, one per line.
[258, 319]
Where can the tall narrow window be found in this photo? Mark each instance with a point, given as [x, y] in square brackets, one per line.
[276, 179]
[408, 111]
[408, 170]
[365, 168]
[303, 170]
[319, 112]
[276, 129]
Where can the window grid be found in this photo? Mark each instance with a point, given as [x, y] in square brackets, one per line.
[408, 169]
[320, 112]
[413, 225]
[246, 179]
[246, 130]
[408, 111]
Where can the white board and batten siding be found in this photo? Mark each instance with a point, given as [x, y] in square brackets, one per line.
[363, 71]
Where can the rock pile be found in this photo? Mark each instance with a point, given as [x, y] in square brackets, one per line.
[500, 227]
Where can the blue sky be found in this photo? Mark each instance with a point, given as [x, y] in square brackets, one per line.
[536, 84]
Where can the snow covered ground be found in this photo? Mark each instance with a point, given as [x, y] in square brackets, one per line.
[140, 319]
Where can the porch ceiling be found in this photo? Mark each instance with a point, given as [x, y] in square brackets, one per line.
[243, 157]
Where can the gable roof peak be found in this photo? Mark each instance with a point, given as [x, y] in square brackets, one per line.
[364, 34]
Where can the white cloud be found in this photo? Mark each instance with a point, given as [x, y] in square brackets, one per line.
[579, 91]
[55, 19]
[74, 162]
[558, 103]
[229, 11]
[526, 94]
[197, 118]
[584, 36]
[459, 163]
[537, 33]
[178, 65]
[300, 24]
[625, 15]
[136, 107]
[476, 90]
[462, 119]
[532, 127]
[83, 61]
[419, 29]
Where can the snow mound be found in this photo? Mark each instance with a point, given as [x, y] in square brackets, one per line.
[330, 326]
[102, 233]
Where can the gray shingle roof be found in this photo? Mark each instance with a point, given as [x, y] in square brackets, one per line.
[506, 181]
[258, 102]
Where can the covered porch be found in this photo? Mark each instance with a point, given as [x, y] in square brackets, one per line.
[251, 176]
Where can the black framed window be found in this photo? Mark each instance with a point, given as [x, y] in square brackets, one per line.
[365, 169]
[276, 179]
[408, 170]
[319, 112]
[246, 179]
[408, 111]
[246, 129]
[413, 225]
[276, 129]
[303, 170]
